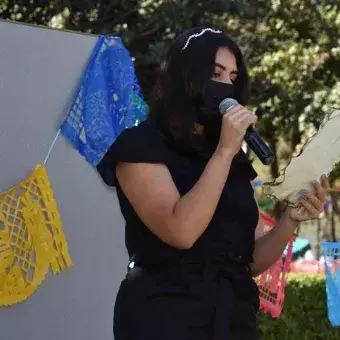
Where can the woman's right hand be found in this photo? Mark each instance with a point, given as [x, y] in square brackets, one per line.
[234, 126]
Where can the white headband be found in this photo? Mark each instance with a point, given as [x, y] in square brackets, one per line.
[199, 35]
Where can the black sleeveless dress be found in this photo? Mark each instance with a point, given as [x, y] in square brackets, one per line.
[206, 292]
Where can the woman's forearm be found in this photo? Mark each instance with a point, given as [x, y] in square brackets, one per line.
[194, 211]
[270, 247]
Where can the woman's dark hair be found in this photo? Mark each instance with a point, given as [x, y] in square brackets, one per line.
[182, 80]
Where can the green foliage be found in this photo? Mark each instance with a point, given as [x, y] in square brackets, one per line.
[305, 315]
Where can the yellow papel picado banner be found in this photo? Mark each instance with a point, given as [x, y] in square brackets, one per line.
[32, 239]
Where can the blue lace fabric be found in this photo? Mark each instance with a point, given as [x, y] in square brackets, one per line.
[107, 101]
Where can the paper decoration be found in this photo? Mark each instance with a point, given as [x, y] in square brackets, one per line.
[108, 100]
[318, 157]
[272, 283]
[331, 252]
[31, 238]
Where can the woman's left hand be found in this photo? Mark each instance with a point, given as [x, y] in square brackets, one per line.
[312, 204]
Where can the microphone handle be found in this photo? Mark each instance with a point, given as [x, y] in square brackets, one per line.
[258, 146]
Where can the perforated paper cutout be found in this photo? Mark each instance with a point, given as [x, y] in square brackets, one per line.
[31, 238]
[272, 283]
[331, 252]
[108, 100]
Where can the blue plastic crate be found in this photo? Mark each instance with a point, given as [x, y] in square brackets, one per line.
[331, 252]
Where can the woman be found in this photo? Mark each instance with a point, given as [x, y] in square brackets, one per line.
[184, 187]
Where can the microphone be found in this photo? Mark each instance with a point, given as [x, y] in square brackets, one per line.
[252, 138]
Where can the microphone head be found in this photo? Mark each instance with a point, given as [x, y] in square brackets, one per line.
[227, 104]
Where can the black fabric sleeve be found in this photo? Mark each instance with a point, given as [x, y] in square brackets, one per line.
[140, 144]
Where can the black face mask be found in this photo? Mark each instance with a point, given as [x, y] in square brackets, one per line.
[215, 92]
[209, 114]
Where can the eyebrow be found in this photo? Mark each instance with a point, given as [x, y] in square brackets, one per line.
[220, 66]
[224, 68]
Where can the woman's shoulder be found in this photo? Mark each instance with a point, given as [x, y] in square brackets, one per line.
[139, 144]
[143, 141]
[145, 132]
